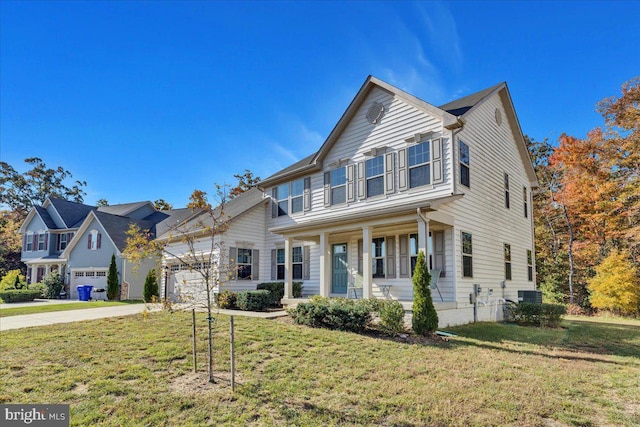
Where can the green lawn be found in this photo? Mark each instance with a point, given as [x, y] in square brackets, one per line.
[136, 371]
[46, 308]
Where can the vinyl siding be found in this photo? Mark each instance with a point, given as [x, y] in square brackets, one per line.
[36, 225]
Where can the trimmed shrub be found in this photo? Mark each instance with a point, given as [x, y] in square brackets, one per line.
[53, 285]
[333, 313]
[391, 317]
[277, 291]
[113, 284]
[253, 300]
[425, 317]
[227, 300]
[38, 287]
[19, 295]
[548, 315]
[13, 280]
[150, 286]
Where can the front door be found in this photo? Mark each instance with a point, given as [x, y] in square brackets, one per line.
[340, 271]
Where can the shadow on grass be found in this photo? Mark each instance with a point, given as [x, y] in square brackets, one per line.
[574, 338]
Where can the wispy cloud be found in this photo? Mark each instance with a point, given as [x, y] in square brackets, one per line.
[442, 33]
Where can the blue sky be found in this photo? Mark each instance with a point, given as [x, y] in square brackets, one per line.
[148, 100]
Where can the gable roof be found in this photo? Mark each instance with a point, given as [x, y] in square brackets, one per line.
[461, 106]
[116, 227]
[314, 161]
[122, 209]
[71, 213]
[46, 218]
[231, 209]
[166, 220]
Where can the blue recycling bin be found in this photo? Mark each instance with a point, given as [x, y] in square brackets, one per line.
[84, 292]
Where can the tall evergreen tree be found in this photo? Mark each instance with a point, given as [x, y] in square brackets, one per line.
[150, 286]
[113, 285]
[425, 317]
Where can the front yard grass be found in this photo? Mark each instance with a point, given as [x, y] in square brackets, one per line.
[136, 370]
[47, 308]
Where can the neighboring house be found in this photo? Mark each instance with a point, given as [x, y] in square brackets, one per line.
[397, 176]
[78, 241]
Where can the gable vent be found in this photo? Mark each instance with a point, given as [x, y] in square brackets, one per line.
[375, 112]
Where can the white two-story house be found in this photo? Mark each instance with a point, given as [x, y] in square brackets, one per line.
[397, 176]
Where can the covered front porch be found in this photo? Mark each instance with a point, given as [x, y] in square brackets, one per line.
[40, 267]
[375, 258]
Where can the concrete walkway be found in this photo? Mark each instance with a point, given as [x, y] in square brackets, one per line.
[54, 317]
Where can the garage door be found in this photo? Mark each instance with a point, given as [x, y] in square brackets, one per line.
[95, 278]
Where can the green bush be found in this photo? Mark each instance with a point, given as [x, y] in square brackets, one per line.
[425, 317]
[19, 295]
[333, 313]
[391, 315]
[253, 300]
[113, 284]
[150, 287]
[548, 315]
[38, 287]
[13, 280]
[53, 285]
[227, 300]
[277, 291]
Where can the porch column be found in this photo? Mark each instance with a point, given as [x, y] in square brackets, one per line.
[367, 268]
[288, 268]
[423, 237]
[325, 262]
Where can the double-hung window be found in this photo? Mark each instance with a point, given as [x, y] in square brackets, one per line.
[297, 258]
[338, 186]
[467, 255]
[378, 254]
[297, 192]
[464, 164]
[29, 238]
[244, 263]
[529, 265]
[63, 241]
[375, 176]
[507, 201]
[41, 237]
[419, 164]
[283, 199]
[507, 261]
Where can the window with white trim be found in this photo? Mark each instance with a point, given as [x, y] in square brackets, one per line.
[297, 193]
[244, 264]
[507, 200]
[93, 245]
[420, 164]
[464, 164]
[507, 261]
[63, 241]
[338, 186]
[41, 237]
[283, 199]
[78, 274]
[378, 254]
[374, 169]
[101, 274]
[297, 263]
[29, 245]
[529, 265]
[467, 255]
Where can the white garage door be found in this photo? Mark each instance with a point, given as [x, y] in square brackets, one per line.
[95, 278]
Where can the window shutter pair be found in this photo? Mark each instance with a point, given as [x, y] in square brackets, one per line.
[404, 256]
[437, 174]
[233, 263]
